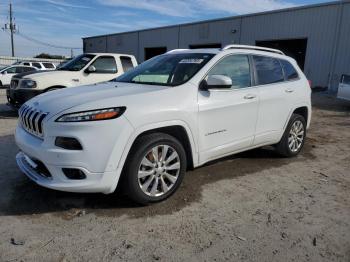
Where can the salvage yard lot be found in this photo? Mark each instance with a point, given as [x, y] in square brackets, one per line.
[254, 206]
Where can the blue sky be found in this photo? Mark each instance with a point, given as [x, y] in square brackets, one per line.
[65, 22]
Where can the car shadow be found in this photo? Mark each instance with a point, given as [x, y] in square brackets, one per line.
[328, 102]
[21, 196]
[7, 112]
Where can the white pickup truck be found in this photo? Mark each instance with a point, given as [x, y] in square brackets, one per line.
[85, 69]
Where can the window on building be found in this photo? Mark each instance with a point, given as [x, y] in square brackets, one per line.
[154, 51]
[268, 70]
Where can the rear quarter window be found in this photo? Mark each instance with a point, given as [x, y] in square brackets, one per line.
[37, 65]
[48, 65]
[126, 63]
[289, 71]
[268, 70]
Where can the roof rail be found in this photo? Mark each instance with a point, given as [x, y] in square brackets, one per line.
[249, 47]
[175, 50]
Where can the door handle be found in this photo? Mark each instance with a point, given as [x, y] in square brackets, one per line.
[249, 96]
[289, 90]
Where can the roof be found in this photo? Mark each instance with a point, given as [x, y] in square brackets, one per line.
[227, 18]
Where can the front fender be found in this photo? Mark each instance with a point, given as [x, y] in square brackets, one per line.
[117, 153]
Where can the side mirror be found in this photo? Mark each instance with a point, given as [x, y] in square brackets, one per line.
[216, 82]
[90, 69]
[4, 72]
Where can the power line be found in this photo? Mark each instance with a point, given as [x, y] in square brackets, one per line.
[46, 44]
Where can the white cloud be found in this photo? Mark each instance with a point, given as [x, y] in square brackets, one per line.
[183, 8]
[178, 8]
[65, 4]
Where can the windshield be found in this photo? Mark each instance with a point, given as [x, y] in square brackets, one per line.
[77, 63]
[167, 70]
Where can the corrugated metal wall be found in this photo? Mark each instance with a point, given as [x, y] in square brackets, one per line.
[327, 28]
[316, 24]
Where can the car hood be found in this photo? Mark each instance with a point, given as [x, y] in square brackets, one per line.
[44, 74]
[21, 75]
[108, 94]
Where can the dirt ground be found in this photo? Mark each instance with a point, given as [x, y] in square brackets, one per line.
[253, 206]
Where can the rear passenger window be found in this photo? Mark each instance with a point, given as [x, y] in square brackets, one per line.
[28, 69]
[289, 70]
[48, 65]
[27, 64]
[126, 63]
[19, 69]
[236, 67]
[37, 65]
[268, 70]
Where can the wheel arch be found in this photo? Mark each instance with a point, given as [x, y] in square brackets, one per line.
[177, 129]
[54, 87]
[303, 111]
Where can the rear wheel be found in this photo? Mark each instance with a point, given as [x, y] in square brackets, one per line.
[293, 138]
[155, 168]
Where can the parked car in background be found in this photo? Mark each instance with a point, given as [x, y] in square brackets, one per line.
[173, 112]
[39, 65]
[85, 69]
[344, 88]
[8, 72]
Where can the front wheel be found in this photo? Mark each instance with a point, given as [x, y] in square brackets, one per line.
[155, 168]
[293, 138]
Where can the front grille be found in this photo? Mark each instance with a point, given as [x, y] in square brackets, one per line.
[14, 83]
[32, 120]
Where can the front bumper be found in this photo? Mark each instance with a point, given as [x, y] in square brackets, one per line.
[94, 182]
[99, 159]
[17, 97]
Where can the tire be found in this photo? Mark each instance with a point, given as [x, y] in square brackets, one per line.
[144, 181]
[286, 147]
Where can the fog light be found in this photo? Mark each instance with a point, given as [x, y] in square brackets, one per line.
[68, 143]
[73, 173]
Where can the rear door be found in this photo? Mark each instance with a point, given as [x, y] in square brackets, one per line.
[8, 74]
[275, 99]
[227, 117]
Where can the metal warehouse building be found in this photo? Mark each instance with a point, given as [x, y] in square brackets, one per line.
[317, 36]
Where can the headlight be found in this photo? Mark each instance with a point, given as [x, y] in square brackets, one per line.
[27, 83]
[93, 115]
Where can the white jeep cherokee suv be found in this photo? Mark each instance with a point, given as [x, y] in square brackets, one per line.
[173, 112]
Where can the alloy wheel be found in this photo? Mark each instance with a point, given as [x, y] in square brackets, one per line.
[159, 170]
[296, 136]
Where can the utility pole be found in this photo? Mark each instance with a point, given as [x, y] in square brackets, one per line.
[12, 27]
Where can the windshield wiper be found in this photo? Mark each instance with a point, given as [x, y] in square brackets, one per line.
[148, 83]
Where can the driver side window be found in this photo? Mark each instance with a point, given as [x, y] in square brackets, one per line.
[236, 67]
[105, 64]
[11, 70]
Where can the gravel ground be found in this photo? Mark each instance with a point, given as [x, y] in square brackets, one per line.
[253, 206]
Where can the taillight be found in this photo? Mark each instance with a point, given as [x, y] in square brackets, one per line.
[310, 83]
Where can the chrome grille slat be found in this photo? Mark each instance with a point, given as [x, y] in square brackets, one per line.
[32, 120]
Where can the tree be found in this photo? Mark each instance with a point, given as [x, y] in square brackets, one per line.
[48, 56]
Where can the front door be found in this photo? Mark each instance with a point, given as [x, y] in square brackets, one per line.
[227, 117]
[106, 69]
